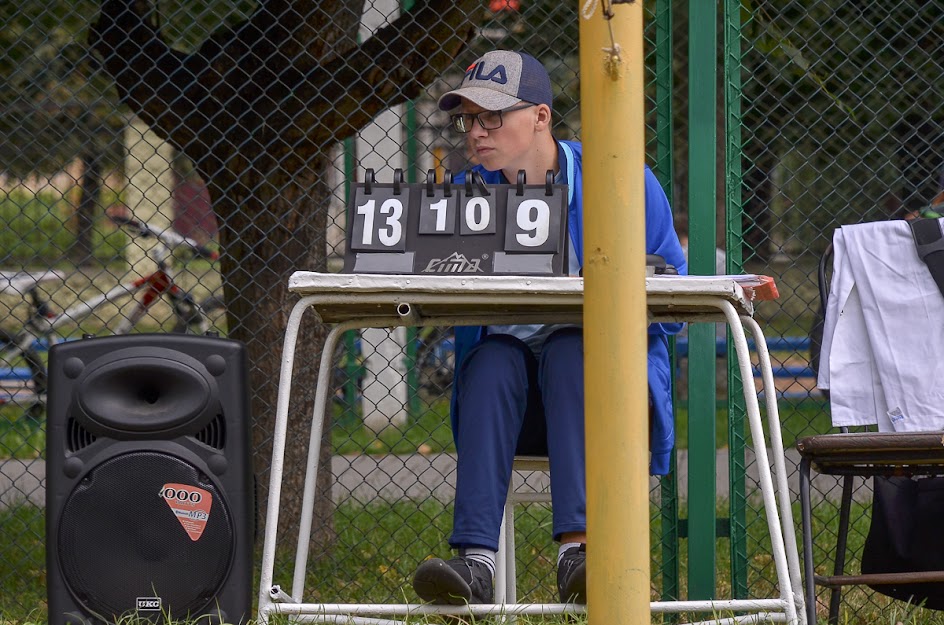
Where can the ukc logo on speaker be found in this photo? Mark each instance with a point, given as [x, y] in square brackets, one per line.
[150, 604]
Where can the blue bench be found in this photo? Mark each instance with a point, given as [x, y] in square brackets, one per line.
[22, 374]
[15, 374]
[794, 344]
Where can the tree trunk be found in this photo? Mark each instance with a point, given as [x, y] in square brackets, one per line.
[266, 235]
[258, 109]
[81, 250]
[764, 116]
[756, 222]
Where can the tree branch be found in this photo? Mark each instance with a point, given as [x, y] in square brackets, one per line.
[393, 66]
[151, 77]
[243, 85]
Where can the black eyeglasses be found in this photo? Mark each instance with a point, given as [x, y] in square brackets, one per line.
[488, 120]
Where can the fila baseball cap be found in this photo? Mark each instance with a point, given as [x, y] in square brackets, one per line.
[501, 79]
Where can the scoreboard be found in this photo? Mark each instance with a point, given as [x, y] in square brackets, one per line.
[446, 227]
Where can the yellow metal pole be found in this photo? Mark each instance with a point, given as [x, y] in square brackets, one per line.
[617, 423]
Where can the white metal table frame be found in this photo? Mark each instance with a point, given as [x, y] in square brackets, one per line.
[378, 301]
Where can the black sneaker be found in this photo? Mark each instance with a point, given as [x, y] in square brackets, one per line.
[459, 581]
[572, 576]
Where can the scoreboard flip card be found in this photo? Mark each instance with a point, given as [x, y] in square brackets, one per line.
[465, 228]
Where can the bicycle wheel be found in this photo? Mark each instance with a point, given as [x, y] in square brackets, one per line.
[23, 378]
[210, 316]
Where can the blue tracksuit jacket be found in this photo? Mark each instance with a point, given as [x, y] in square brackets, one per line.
[660, 239]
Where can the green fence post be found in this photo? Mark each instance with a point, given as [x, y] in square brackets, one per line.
[670, 533]
[412, 162]
[664, 171]
[412, 373]
[702, 54]
[350, 348]
[733, 242]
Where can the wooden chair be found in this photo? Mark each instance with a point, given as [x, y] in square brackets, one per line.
[864, 454]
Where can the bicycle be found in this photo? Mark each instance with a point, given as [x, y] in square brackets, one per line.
[43, 323]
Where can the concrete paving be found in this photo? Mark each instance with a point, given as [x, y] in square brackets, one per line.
[372, 478]
[369, 478]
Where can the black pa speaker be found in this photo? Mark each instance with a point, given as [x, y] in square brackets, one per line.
[149, 488]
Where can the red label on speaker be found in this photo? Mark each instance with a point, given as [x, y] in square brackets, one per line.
[191, 506]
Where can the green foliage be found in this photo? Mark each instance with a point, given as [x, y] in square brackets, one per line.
[846, 96]
[37, 231]
[57, 106]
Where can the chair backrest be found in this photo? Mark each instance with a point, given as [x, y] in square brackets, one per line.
[822, 278]
[819, 319]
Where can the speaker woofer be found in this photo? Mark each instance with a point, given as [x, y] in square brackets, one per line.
[125, 534]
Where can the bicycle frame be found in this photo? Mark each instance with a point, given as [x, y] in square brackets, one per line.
[44, 322]
[151, 288]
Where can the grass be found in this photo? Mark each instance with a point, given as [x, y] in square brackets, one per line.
[379, 545]
[38, 231]
[22, 570]
[20, 437]
[798, 418]
[24, 438]
[429, 432]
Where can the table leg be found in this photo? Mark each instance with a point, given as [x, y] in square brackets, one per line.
[807, 519]
[325, 368]
[278, 456]
[780, 465]
[774, 525]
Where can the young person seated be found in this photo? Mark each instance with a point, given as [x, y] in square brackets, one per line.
[518, 389]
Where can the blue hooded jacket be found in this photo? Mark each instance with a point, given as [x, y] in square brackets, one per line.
[661, 239]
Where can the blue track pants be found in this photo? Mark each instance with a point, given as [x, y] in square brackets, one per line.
[509, 403]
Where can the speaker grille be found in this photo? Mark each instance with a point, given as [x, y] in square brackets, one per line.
[120, 540]
[214, 434]
[77, 437]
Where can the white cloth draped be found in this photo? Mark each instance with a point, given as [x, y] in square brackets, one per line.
[883, 341]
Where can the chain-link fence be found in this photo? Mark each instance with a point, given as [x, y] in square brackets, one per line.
[839, 124]
[233, 130]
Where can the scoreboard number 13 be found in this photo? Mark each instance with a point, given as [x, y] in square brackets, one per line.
[379, 219]
[390, 230]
